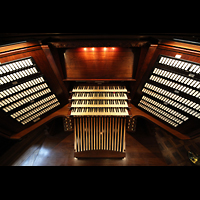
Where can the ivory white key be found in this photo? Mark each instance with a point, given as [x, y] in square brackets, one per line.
[99, 111]
[99, 103]
[96, 95]
[99, 89]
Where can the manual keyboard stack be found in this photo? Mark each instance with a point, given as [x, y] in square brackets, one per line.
[99, 100]
[99, 120]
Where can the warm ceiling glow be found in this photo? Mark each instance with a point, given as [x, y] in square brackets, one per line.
[98, 49]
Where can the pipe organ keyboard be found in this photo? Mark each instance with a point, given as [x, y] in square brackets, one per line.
[99, 120]
[99, 95]
[97, 103]
[99, 89]
[100, 111]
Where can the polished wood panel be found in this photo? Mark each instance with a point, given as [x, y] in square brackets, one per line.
[103, 124]
[99, 63]
[99, 154]
[145, 58]
[17, 46]
[23, 50]
[57, 150]
[63, 112]
[99, 42]
[95, 65]
[188, 52]
[42, 62]
[137, 112]
[55, 69]
[98, 79]
[174, 45]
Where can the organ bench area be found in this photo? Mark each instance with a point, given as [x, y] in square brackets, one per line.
[99, 88]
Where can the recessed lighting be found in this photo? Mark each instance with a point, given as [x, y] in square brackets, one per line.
[177, 56]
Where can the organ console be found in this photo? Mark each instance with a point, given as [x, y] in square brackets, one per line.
[21, 91]
[99, 120]
[100, 88]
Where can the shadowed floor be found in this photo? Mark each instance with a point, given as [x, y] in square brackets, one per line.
[148, 146]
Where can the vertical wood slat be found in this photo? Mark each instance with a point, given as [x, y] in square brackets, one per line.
[115, 134]
[118, 123]
[99, 133]
[124, 142]
[89, 128]
[86, 134]
[97, 123]
[107, 134]
[75, 142]
[104, 133]
[85, 125]
[92, 141]
[121, 135]
[94, 133]
[102, 136]
[78, 135]
[110, 135]
[81, 133]
[113, 120]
